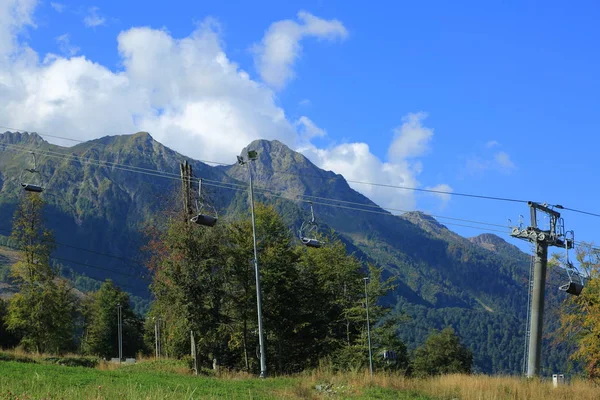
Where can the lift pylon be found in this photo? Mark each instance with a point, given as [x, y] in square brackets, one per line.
[542, 239]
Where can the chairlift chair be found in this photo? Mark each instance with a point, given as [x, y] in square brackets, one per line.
[32, 184]
[575, 284]
[307, 231]
[206, 219]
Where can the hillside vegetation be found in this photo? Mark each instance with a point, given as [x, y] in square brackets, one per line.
[98, 210]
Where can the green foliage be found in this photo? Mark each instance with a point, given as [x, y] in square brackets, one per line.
[34, 241]
[43, 311]
[44, 317]
[16, 358]
[313, 299]
[161, 380]
[442, 353]
[100, 323]
[7, 338]
[87, 362]
[580, 316]
[478, 285]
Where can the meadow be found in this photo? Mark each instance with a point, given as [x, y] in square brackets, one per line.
[31, 378]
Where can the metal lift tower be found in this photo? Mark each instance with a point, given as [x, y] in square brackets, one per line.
[555, 236]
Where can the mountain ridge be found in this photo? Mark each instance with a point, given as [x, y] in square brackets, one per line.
[442, 277]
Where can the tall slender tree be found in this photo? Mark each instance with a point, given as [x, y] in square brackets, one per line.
[43, 310]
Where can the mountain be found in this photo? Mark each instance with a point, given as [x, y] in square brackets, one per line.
[98, 211]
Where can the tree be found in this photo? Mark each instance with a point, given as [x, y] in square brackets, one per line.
[442, 353]
[43, 310]
[313, 299]
[7, 338]
[100, 323]
[580, 315]
[188, 263]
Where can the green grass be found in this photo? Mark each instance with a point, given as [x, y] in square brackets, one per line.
[150, 380]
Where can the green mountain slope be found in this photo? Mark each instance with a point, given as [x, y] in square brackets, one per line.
[477, 285]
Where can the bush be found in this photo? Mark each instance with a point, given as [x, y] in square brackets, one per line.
[442, 353]
[88, 362]
[13, 357]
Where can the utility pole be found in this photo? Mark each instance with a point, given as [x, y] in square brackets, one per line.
[120, 331]
[155, 338]
[261, 337]
[185, 170]
[555, 236]
[366, 279]
[194, 352]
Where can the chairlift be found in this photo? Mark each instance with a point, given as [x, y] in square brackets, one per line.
[34, 181]
[308, 230]
[204, 218]
[389, 355]
[575, 284]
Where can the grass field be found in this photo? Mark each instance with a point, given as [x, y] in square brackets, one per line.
[170, 380]
[150, 380]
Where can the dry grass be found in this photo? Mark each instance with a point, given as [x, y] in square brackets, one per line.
[463, 387]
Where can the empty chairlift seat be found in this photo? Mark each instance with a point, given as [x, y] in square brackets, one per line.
[207, 215]
[573, 288]
[308, 242]
[31, 179]
[206, 220]
[30, 187]
[308, 231]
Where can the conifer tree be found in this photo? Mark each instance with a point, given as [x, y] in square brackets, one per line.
[42, 313]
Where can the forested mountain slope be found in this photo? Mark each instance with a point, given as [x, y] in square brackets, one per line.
[98, 209]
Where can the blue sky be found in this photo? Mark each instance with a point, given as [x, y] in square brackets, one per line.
[494, 98]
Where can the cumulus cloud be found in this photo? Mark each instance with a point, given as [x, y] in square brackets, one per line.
[443, 192]
[93, 19]
[411, 139]
[358, 164]
[65, 46]
[279, 49]
[14, 16]
[308, 129]
[186, 92]
[190, 96]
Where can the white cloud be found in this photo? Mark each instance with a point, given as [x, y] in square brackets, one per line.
[304, 103]
[58, 7]
[280, 47]
[503, 161]
[444, 197]
[356, 163]
[93, 19]
[411, 139]
[498, 162]
[491, 144]
[65, 46]
[189, 96]
[186, 92]
[14, 16]
[308, 130]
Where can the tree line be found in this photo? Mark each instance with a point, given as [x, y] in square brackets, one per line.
[203, 284]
